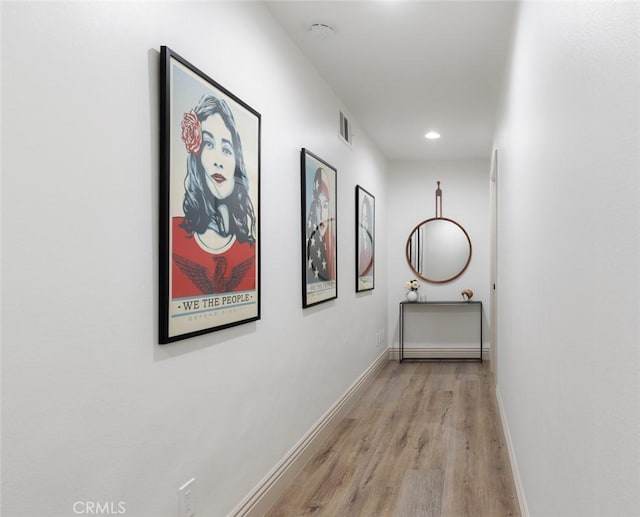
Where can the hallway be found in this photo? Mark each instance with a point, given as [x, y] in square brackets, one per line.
[424, 439]
[96, 412]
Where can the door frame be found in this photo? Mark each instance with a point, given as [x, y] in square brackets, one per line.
[493, 306]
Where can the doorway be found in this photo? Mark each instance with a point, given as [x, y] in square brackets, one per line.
[493, 304]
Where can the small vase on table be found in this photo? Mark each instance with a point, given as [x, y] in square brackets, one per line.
[412, 293]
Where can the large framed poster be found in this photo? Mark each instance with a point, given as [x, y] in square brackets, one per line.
[319, 230]
[209, 204]
[365, 240]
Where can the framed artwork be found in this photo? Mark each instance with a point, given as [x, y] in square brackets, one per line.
[209, 204]
[365, 240]
[319, 230]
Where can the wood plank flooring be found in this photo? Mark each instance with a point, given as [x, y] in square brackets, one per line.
[423, 440]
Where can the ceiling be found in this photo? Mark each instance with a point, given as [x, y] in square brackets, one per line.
[403, 68]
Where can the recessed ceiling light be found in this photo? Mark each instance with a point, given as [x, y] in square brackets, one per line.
[321, 30]
[432, 135]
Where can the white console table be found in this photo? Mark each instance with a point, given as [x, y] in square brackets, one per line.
[425, 306]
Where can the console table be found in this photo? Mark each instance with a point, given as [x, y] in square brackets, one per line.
[426, 305]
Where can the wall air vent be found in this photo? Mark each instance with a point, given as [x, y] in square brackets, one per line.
[345, 130]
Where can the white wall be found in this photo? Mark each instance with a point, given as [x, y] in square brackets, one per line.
[569, 242]
[411, 199]
[93, 408]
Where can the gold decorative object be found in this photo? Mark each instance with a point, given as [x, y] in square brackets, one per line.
[467, 294]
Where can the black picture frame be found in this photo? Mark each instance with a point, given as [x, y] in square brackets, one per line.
[365, 240]
[319, 225]
[209, 266]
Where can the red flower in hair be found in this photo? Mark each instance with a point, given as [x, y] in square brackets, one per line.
[191, 132]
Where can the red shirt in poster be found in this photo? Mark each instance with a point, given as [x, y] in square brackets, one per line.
[197, 272]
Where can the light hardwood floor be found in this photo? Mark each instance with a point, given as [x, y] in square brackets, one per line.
[423, 439]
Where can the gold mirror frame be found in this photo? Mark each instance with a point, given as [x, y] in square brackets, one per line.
[408, 252]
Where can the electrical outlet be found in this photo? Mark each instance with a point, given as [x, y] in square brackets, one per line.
[188, 499]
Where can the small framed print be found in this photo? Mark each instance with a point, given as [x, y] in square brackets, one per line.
[365, 240]
[319, 230]
[209, 204]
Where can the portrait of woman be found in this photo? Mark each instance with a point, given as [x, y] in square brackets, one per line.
[320, 232]
[365, 239]
[209, 204]
[213, 244]
[365, 264]
[319, 248]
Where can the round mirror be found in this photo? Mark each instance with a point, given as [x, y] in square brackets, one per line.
[438, 250]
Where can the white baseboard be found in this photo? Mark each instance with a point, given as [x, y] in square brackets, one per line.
[439, 353]
[265, 493]
[522, 500]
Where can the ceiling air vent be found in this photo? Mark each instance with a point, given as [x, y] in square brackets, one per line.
[345, 132]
